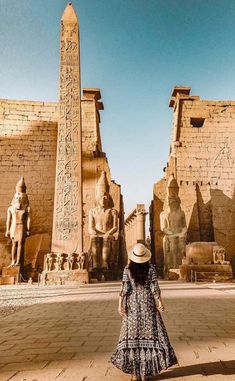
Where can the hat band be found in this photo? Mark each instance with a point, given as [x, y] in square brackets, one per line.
[139, 255]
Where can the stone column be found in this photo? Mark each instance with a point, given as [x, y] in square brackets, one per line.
[134, 224]
[140, 223]
[67, 220]
[127, 232]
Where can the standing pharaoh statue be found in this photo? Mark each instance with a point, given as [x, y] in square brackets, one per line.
[18, 223]
[173, 225]
[103, 223]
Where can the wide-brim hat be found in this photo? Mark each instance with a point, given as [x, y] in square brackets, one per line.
[139, 253]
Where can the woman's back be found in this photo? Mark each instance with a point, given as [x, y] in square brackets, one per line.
[143, 349]
[131, 286]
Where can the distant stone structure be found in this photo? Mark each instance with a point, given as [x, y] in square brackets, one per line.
[32, 135]
[202, 160]
[135, 226]
[173, 225]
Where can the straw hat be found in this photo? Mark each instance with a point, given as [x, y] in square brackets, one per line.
[139, 253]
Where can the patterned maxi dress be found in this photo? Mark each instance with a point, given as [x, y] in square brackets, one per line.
[144, 348]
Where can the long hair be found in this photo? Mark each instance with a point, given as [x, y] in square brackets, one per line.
[139, 272]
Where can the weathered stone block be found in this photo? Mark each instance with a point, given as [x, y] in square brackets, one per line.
[65, 277]
[7, 279]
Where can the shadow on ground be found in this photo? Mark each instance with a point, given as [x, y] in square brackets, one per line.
[204, 369]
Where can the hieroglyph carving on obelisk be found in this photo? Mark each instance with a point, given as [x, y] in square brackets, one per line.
[67, 221]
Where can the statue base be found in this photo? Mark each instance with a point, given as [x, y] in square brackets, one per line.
[103, 274]
[206, 273]
[10, 275]
[65, 277]
[174, 274]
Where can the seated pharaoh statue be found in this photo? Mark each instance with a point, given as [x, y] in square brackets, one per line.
[18, 223]
[103, 223]
[173, 225]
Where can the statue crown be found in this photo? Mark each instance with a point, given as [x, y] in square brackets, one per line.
[102, 184]
[20, 186]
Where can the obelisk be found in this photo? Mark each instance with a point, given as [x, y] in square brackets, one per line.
[67, 220]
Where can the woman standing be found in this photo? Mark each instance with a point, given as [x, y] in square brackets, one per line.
[143, 349]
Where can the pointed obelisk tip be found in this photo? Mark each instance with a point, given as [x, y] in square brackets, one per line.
[69, 13]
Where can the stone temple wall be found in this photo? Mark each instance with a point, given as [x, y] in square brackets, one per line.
[94, 162]
[202, 158]
[28, 133]
[28, 138]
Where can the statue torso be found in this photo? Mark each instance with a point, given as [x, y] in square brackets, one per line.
[175, 220]
[18, 224]
[103, 218]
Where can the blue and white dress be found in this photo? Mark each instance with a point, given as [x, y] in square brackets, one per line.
[143, 348]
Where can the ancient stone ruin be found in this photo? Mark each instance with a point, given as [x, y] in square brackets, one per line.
[135, 226]
[57, 148]
[78, 232]
[202, 161]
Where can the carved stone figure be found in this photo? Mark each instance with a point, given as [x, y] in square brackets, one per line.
[49, 261]
[103, 223]
[173, 225]
[70, 260]
[82, 261]
[59, 261]
[18, 223]
[219, 254]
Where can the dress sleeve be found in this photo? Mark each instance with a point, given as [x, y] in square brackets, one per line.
[154, 286]
[126, 284]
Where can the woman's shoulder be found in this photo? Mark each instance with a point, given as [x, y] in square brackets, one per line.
[126, 270]
[152, 268]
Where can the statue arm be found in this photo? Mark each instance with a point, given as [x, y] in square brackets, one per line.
[184, 225]
[164, 224]
[28, 220]
[115, 223]
[91, 227]
[8, 224]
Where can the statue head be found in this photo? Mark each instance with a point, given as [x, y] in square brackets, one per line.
[103, 200]
[173, 203]
[172, 187]
[103, 197]
[173, 200]
[20, 199]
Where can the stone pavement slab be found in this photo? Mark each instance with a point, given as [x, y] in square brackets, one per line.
[71, 334]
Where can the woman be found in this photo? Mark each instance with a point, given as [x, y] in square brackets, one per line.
[143, 349]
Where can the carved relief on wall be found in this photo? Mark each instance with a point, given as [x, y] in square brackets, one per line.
[60, 262]
[224, 155]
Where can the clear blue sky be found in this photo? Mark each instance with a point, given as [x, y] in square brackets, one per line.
[135, 51]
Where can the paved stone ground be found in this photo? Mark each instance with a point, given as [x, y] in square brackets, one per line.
[70, 334]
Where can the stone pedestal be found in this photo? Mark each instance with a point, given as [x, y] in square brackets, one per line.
[103, 274]
[6, 279]
[174, 274]
[11, 271]
[65, 277]
[62, 269]
[10, 275]
[218, 273]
